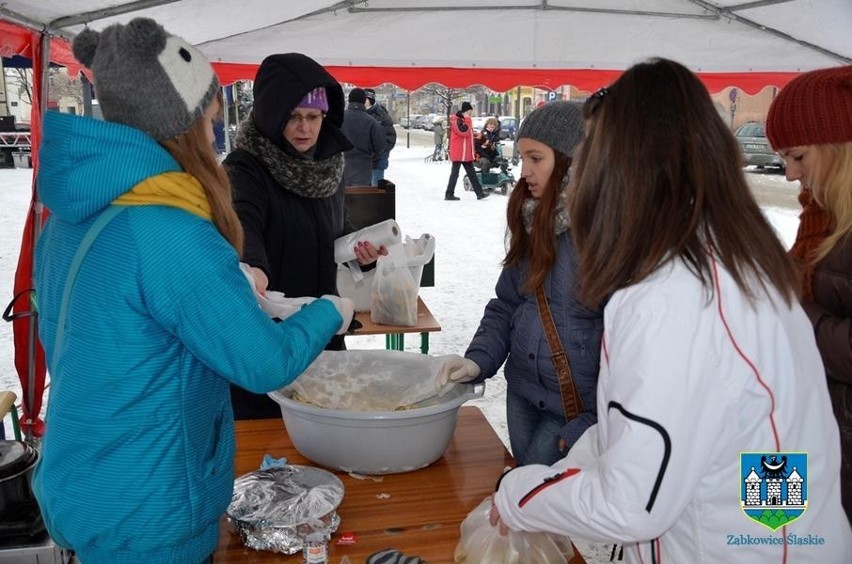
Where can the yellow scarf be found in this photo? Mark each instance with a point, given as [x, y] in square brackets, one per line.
[174, 189]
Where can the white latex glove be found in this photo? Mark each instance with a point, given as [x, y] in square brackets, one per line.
[456, 370]
[345, 307]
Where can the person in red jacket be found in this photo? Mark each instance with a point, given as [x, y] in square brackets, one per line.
[462, 152]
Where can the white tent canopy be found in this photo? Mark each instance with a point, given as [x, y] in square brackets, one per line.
[499, 43]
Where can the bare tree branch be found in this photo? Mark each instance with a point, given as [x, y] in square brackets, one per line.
[61, 85]
[20, 78]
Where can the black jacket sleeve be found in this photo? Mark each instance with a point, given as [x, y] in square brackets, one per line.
[251, 201]
[462, 126]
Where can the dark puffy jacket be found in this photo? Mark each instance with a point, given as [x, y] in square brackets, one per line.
[289, 236]
[511, 331]
[383, 117]
[368, 138]
[831, 314]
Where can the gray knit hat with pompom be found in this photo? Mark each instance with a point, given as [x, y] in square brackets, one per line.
[558, 124]
[147, 78]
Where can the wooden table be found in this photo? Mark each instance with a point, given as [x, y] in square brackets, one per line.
[395, 334]
[416, 512]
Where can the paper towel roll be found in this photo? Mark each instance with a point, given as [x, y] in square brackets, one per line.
[386, 233]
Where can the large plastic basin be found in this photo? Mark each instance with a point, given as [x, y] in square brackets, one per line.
[374, 442]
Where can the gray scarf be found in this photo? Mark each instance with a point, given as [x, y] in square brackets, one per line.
[295, 173]
[561, 221]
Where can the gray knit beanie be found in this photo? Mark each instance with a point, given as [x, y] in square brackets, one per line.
[559, 125]
[146, 78]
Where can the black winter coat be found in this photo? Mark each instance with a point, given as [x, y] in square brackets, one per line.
[831, 314]
[288, 235]
[383, 117]
[368, 138]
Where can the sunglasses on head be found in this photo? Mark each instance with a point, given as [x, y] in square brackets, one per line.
[594, 101]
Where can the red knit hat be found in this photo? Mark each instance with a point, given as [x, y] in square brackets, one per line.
[814, 108]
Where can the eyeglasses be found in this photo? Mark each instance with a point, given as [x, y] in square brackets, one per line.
[310, 119]
[594, 101]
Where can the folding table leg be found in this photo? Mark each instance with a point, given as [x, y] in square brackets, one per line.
[394, 341]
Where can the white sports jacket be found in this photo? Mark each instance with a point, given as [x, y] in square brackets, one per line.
[688, 382]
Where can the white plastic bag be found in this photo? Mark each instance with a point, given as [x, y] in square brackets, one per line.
[394, 294]
[480, 542]
[419, 251]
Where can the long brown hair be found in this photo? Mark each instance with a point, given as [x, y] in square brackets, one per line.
[192, 151]
[659, 177]
[540, 244]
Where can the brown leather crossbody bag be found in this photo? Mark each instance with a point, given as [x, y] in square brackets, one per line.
[571, 401]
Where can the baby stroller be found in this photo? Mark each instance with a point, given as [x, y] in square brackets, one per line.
[494, 173]
[441, 150]
[442, 156]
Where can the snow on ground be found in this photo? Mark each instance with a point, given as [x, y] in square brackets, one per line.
[469, 238]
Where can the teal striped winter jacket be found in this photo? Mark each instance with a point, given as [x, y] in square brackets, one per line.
[137, 460]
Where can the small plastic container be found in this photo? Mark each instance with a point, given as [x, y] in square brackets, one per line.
[315, 549]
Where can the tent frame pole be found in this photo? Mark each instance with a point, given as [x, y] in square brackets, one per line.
[32, 334]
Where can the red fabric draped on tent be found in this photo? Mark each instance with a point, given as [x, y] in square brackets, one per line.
[16, 40]
[29, 355]
[501, 80]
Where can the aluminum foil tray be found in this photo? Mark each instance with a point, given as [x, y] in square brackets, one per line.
[276, 509]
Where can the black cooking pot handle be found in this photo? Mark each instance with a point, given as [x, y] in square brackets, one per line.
[7, 313]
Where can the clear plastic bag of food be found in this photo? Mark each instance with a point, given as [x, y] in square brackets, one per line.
[394, 294]
[481, 542]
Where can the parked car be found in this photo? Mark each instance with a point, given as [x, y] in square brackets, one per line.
[508, 126]
[429, 121]
[418, 121]
[479, 123]
[756, 148]
[410, 121]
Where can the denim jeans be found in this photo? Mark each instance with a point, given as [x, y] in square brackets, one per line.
[533, 432]
[379, 171]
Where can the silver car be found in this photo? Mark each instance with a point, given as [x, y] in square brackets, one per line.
[755, 146]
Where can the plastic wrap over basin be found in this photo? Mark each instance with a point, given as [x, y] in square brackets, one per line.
[374, 442]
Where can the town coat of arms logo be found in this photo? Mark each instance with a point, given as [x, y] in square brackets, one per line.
[774, 487]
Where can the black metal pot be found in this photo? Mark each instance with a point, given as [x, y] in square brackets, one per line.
[19, 511]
